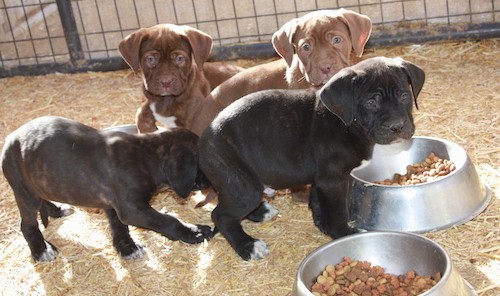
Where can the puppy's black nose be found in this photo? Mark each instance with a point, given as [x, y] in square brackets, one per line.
[397, 127]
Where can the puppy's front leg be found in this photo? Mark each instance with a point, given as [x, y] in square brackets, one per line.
[145, 119]
[122, 241]
[328, 202]
[144, 216]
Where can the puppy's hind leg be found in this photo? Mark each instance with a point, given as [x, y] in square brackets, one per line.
[122, 241]
[227, 219]
[41, 250]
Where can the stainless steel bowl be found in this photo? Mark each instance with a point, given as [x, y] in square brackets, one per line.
[396, 252]
[445, 202]
[128, 128]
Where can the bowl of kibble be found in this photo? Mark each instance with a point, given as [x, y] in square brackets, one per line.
[380, 263]
[419, 185]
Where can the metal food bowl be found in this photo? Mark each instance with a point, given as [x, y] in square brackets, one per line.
[442, 203]
[396, 252]
[128, 128]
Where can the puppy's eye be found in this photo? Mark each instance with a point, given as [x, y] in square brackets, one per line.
[151, 60]
[404, 97]
[372, 104]
[179, 59]
[306, 47]
[336, 40]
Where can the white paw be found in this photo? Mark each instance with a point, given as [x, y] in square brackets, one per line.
[271, 212]
[260, 250]
[49, 254]
[138, 254]
[269, 192]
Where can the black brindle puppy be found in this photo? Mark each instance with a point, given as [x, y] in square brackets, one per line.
[57, 159]
[289, 138]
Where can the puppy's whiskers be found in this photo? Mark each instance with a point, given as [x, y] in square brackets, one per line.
[301, 79]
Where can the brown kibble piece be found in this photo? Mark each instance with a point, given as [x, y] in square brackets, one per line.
[353, 277]
[431, 168]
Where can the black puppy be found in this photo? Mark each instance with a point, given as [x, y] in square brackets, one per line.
[53, 158]
[289, 138]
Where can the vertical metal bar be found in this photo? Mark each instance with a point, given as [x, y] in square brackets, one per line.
[71, 32]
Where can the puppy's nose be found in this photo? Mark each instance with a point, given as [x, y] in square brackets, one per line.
[326, 69]
[166, 81]
[397, 127]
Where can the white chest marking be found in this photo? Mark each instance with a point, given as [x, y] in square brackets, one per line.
[167, 121]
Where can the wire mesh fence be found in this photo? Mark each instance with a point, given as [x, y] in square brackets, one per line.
[42, 36]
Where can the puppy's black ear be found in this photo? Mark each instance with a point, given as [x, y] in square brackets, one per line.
[416, 76]
[338, 95]
[181, 169]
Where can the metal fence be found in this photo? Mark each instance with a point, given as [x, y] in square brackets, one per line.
[43, 36]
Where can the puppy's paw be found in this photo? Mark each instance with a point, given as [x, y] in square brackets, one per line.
[260, 250]
[58, 211]
[269, 192]
[138, 253]
[49, 254]
[336, 232]
[265, 212]
[198, 233]
[255, 250]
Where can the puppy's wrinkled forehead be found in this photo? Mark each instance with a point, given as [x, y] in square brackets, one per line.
[319, 26]
[382, 73]
[164, 41]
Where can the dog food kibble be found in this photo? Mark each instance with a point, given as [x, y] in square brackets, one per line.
[430, 169]
[360, 278]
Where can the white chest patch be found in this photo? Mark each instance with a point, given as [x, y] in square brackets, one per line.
[167, 121]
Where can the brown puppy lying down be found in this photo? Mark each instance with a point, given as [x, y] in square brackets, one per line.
[290, 138]
[313, 48]
[57, 159]
[177, 78]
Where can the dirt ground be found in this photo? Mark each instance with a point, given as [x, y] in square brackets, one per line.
[460, 102]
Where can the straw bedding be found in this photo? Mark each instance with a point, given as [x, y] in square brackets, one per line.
[459, 102]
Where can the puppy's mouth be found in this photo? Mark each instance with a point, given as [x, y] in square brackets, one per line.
[387, 136]
[320, 77]
[391, 138]
[164, 91]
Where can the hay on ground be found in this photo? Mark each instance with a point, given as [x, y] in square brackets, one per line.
[459, 102]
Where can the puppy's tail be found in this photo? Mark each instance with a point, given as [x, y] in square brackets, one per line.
[44, 215]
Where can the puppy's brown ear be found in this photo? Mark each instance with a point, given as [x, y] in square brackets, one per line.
[416, 76]
[181, 170]
[338, 95]
[283, 40]
[360, 27]
[130, 46]
[200, 42]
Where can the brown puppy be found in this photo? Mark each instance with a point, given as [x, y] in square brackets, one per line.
[176, 78]
[313, 48]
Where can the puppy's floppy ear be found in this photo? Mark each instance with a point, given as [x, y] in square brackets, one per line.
[416, 76]
[130, 46]
[338, 95]
[360, 27]
[282, 40]
[181, 169]
[200, 42]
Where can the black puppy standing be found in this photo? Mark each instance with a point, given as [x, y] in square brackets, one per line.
[57, 159]
[289, 138]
